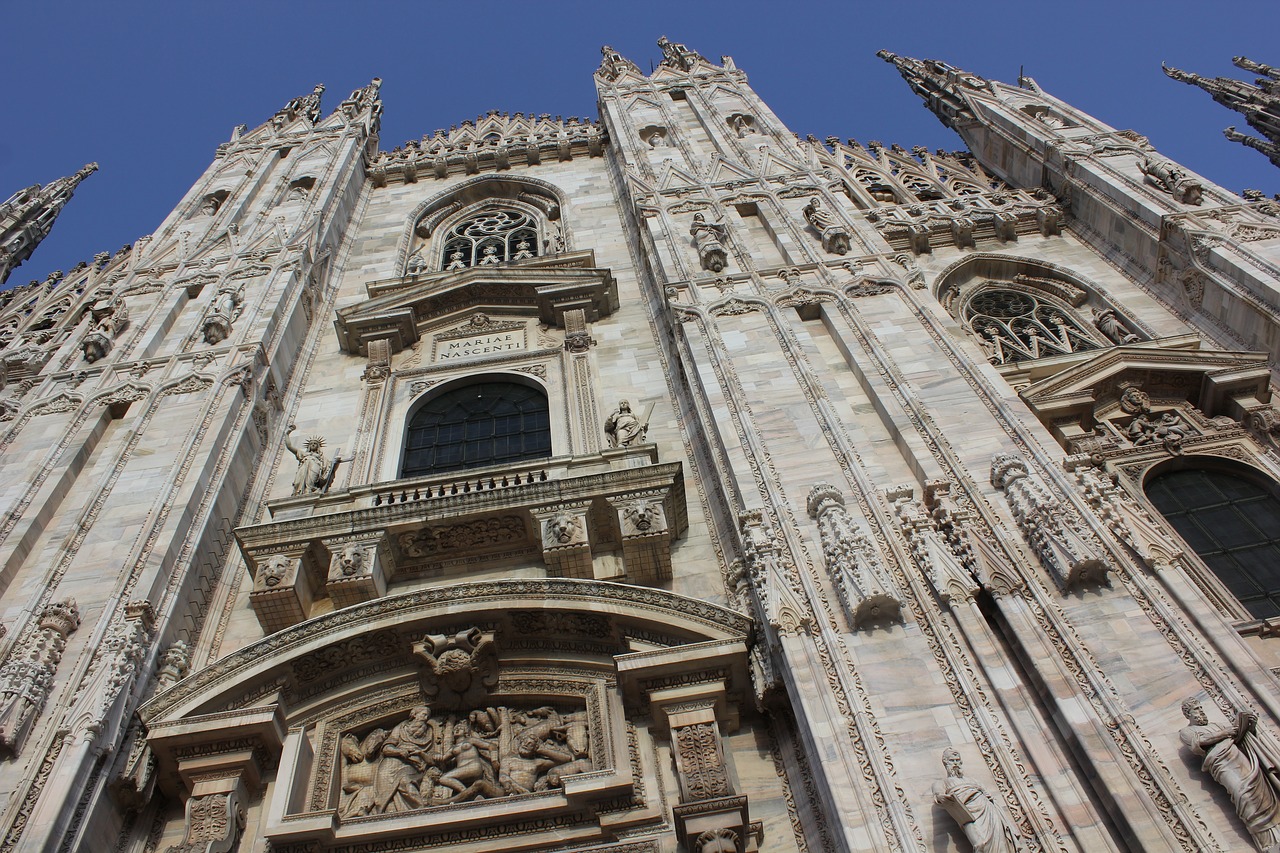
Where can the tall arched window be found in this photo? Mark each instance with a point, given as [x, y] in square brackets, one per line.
[491, 237]
[1233, 523]
[477, 424]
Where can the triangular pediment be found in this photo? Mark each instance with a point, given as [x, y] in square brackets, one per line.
[1208, 380]
[399, 308]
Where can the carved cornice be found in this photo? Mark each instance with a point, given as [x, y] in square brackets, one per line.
[551, 286]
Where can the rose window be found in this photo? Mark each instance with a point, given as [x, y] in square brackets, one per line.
[493, 237]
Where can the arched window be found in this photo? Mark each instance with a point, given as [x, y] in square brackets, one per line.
[1019, 325]
[1233, 523]
[491, 237]
[477, 424]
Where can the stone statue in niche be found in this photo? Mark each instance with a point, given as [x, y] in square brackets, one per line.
[655, 136]
[1168, 177]
[742, 124]
[315, 470]
[1109, 323]
[460, 669]
[624, 428]
[430, 759]
[1242, 763]
[972, 808]
[222, 313]
[835, 238]
[709, 238]
[210, 205]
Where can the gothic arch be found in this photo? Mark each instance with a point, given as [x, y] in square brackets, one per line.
[432, 212]
[1049, 289]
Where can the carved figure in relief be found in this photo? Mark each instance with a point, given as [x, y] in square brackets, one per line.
[973, 809]
[274, 570]
[643, 515]
[416, 264]
[709, 238]
[315, 470]
[488, 753]
[1238, 760]
[623, 428]
[1167, 430]
[406, 754]
[351, 560]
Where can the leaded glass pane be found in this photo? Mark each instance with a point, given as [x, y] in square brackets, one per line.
[486, 423]
[492, 237]
[1233, 523]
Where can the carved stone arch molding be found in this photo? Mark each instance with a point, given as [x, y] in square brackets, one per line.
[1066, 313]
[550, 200]
[514, 715]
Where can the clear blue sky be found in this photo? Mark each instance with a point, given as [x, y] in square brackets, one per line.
[148, 90]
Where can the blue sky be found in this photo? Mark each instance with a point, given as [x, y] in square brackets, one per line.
[148, 90]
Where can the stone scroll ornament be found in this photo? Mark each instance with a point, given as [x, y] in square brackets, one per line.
[430, 759]
[315, 470]
[835, 237]
[1049, 527]
[709, 237]
[1247, 766]
[972, 808]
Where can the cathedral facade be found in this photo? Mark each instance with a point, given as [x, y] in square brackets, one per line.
[662, 482]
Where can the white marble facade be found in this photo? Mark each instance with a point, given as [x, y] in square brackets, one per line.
[837, 538]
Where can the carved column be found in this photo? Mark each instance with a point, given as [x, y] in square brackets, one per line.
[863, 583]
[26, 680]
[646, 537]
[1049, 527]
[566, 543]
[584, 428]
[372, 399]
[284, 586]
[357, 569]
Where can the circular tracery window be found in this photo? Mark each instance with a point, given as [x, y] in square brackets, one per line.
[492, 237]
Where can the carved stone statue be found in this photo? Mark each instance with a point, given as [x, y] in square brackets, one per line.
[222, 313]
[1168, 177]
[742, 124]
[973, 809]
[1243, 764]
[709, 238]
[835, 238]
[315, 471]
[1108, 322]
[623, 428]
[1167, 430]
[210, 205]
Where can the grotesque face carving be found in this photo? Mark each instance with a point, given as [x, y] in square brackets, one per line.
[644, 516]
[562, 528]
[274, 570]
[351, 560]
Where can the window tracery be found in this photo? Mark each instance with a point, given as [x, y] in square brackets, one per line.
[1015, 325]
[491, 237]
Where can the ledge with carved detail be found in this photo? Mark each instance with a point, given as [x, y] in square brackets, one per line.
[349, 546]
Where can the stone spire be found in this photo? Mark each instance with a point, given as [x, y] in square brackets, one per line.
[27, 217]
[939, 84]
[1259, 104]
